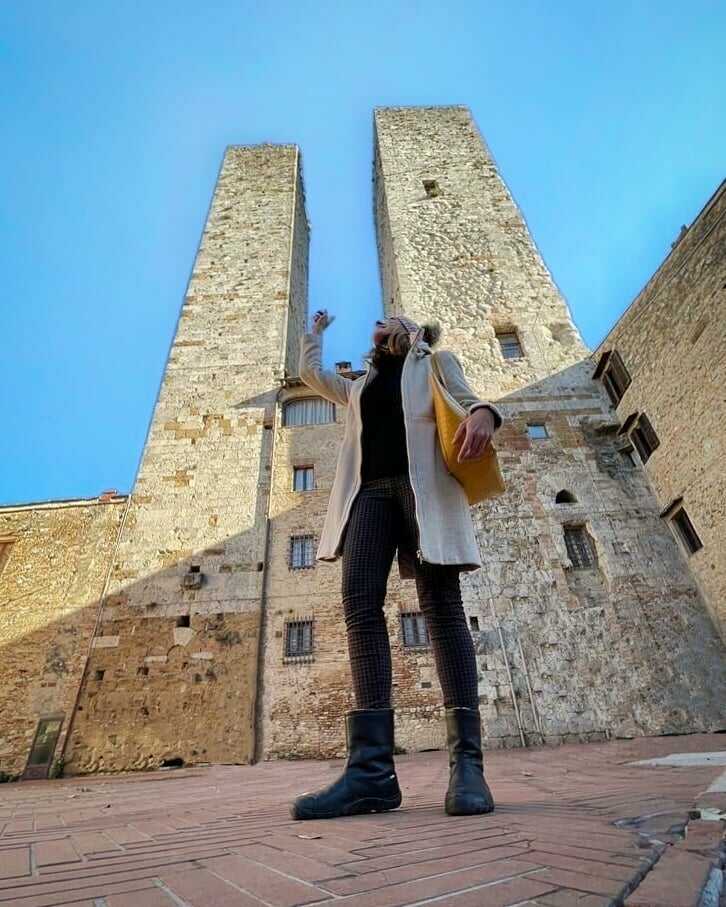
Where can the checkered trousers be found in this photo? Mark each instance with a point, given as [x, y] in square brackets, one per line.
[383, 519]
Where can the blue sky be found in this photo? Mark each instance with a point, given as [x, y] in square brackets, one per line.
[607, 121]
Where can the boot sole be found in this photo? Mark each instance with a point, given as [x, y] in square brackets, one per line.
[464, 810]
[357, 808]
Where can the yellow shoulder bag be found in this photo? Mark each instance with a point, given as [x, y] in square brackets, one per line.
[480, 478]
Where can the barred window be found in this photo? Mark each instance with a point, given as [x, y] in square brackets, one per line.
[298, 638]
[509, 344]
[414, 630]
[579, 547]
[644, 438]
[685, 531]
[537, 431]
[303, 478]
[308, 411]
[302, 551]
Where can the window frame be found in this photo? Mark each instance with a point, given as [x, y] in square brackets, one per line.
[681, 525]
[303, 467]
[6, 547]
[302, 631]
[509, 332]
[290, 403]
[577, 561]
[543, 425]
[301, 536]
[417, 620]
[644, 438]
[614, 375]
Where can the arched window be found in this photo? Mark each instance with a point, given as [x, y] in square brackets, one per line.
[308, 411]
[565, 497]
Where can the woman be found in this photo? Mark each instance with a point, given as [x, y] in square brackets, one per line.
[391, 492]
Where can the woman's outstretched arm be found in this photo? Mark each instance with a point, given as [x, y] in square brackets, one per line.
[332, 386]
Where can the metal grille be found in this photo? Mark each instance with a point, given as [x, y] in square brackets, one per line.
[414, 630]
[510, 345]
[298, 638]
[579, 547]
[303, 478]
[302, 551]
[308, 411]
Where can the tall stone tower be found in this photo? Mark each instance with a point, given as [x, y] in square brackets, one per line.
[173, 670]
[453, 247]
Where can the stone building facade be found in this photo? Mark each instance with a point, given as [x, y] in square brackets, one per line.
[671, 345]
[216, 639]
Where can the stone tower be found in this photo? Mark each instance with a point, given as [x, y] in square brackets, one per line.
[564, 653]
[453, 247]
[173, 670]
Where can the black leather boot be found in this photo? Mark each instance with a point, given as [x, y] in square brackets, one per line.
[468, 792]
[369, 783]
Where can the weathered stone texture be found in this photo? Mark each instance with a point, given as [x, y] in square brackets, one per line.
[188, 659]
[51, 579]
[200, 499]
[463, 257]
[672, 340]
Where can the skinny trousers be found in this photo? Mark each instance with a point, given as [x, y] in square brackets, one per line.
[383, 519]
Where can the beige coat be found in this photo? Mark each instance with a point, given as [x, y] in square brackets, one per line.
[446, 532]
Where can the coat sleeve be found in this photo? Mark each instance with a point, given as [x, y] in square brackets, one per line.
[330, 385]
[459, 388]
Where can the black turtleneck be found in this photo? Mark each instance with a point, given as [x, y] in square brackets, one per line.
[384, 433]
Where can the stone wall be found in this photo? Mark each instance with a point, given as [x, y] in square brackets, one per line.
[174, 668]
[672, 340]
[52, 572]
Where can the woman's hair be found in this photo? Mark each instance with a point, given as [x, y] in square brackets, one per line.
[398, 342]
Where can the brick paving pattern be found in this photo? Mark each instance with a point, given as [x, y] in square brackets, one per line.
[576, 826]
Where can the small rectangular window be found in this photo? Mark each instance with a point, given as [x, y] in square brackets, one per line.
[537, 431]
[302, 551]
[510, 346]
[431, 187]
[644, 438]
[614, 375]
[5, 546]
[580, 549]
[303, 478]
[183, 620]
[474, 624]
[414, 630]
[308, 411]
[298, 638]
[685, 531]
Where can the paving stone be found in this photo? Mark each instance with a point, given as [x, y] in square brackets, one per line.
[14, 863]
[223, 836]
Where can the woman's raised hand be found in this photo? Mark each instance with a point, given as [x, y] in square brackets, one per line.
[321, 320]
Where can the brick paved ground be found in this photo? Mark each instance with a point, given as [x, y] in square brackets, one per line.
[574, 827]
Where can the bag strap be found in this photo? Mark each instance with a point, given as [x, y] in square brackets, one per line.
[436, 368]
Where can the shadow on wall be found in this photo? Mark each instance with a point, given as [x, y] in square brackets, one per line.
[174, 674]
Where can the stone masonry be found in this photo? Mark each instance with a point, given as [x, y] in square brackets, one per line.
[672, 340]
[54, 561]
[189, 657]
[178, 636]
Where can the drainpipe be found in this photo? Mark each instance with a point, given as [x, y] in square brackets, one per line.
[257, 710]
[99, 611]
